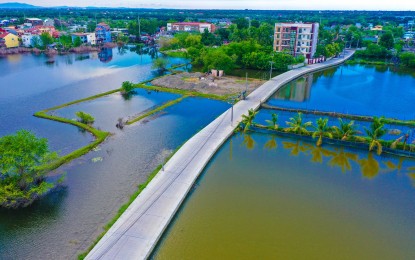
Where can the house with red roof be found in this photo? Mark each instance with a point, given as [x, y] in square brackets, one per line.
[8, 40]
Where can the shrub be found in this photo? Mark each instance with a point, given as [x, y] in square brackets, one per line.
[85, 118]
[127, 87]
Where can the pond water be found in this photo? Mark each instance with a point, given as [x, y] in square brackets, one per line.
[353, 89]
[65, 222]
[30, 84]
[270, 197]
[108, 109]
[265, 196]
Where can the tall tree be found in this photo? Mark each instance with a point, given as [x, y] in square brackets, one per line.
[387, 40]
[22, 179]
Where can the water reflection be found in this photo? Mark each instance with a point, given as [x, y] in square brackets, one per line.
[249, 142]
[290, 206]
[342, 159]
[369, 164]
[105, 55]
[350, 89]
[271, 144]
[297, 91]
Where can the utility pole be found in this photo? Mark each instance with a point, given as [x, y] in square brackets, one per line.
[246, 83]
[270, 71]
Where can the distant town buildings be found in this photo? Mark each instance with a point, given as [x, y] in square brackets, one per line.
[377, 28]
[33, 21]
[28, 34]
[8, 40]
[191, 27]
[30, 40]
[103, 33]
[86, 38]
[49, 22]
[296, 38]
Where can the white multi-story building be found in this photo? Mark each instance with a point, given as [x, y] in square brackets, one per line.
[86, 38]
[29, 40]
[296, 38]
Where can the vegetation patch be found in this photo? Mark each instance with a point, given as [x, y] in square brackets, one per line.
[82, 100]
[22, 177]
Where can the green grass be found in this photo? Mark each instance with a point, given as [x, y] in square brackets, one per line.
[100, 136]
[175, 54]
[357, 60]
[157, 109]
[83, 100]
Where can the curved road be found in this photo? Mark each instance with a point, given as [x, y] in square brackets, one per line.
[137, 231]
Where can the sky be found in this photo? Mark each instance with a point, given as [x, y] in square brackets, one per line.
[238, 4]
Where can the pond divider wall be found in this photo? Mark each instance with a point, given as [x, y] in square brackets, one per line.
[140, 227]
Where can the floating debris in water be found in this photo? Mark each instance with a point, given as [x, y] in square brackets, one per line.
[96, 149]
[395, 132]
[97, 159]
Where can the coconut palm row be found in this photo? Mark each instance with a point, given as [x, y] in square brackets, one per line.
[346, 131]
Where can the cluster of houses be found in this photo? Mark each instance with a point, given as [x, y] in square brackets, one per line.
[28, 33]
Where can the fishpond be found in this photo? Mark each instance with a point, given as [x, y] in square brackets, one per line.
[271, 197]
[68, 220]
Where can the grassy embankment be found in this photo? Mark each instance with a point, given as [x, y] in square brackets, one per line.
[99, 135]
[367, 62]
[391, 121]
[353, 141]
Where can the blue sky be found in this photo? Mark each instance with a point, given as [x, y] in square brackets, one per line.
[239, 4]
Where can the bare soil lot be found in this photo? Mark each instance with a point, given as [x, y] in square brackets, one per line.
[199, 82]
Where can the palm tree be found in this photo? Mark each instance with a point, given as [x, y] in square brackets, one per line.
[272, 124]
[296, 125]
[375, 132]
[247, 120]
[345, 130]
[322, 130]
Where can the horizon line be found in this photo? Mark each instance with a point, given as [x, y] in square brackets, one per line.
[206, 9]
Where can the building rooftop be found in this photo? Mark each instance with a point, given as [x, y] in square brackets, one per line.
[3, 34]
[190, 23]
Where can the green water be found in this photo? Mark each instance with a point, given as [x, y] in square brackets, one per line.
[270, 197]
